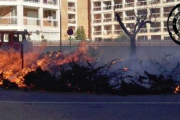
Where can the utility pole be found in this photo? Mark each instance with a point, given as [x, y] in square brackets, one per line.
[60, 44]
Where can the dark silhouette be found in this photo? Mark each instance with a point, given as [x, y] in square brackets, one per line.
[141, 18]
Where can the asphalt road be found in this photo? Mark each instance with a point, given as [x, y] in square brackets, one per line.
[17, 105]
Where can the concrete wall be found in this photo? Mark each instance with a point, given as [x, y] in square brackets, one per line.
[118, 52]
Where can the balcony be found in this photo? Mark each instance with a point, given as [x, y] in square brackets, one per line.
[32, 1]
[72, 9]
[129, 4]
[143, 30]
[72, 21]
[118, 6]
[166, 14]
[154, 2]
[97, 21]
[142, 3]
[168, 1]
[107, 32]
[130, 18]
[155, 29]
[97, 9]
[117, 32]
[165, 29]
[50, 2]
[31, 21]
[107, 19]
[50, 22]
[97, 32]
[108, 7]
[8, 20]
[8, 0]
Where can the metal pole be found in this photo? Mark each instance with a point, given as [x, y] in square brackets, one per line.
[60, 25]
[22, 56]
[70, 42]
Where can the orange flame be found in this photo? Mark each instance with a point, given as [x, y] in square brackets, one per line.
[10, 62]
[177, 89]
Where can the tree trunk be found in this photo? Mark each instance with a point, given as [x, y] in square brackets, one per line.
[133, 49]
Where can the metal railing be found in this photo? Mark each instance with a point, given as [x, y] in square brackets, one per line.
[50, 2]
[166, 1]
[118, 6]
[97, 33]
[32, 1]
[130, 18]
[50, 22]
[72, 9]
[72, 21]
[96, 20]
[108, 7]
[8, 20]
[107, 19]
[142, 3]
[31, 21]
[129, 4]
[96, 8]
[155, 29]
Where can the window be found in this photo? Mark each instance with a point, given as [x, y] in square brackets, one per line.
[20, 37]
[6, 37]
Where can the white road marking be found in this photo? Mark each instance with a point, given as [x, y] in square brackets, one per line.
[102, 103]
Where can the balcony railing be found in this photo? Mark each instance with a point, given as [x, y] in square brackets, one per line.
[8, 0]
[31, 21]
[97, 33]
[141, 3]
[107, 32]
[72, 21]
[50, 2]
[129, 4]
[118, 6]
[165, 29]
[96, 20]
[73, 9]
[130, 18]
[108, 7]
[107, 20]
[8, 20]
[97, 8]
[155, 29]
[50, 22]
[32, 1]
[166, 14]
[154, 2]
[117, 32]
[143, 30]
[167, 1]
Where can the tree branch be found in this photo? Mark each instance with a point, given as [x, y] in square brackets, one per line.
[121, 23]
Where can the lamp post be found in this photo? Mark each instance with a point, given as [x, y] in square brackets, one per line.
[60, 33]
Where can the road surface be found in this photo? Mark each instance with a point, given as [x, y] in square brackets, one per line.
[18, 105]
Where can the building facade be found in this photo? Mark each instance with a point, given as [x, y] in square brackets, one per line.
[39, 17]
[75, 13]
[52, 18]
[104, 25]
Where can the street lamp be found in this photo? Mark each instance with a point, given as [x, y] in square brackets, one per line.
[60, 33]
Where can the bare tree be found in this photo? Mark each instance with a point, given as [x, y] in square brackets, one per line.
[148, 16]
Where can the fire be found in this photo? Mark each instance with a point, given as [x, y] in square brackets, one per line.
[177, 89]
[10, 62]
[125, 69]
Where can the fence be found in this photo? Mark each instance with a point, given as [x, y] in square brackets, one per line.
[109, 43]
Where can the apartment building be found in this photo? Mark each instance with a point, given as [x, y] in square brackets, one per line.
[75, 13]
[39, 17]
[105, 26]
